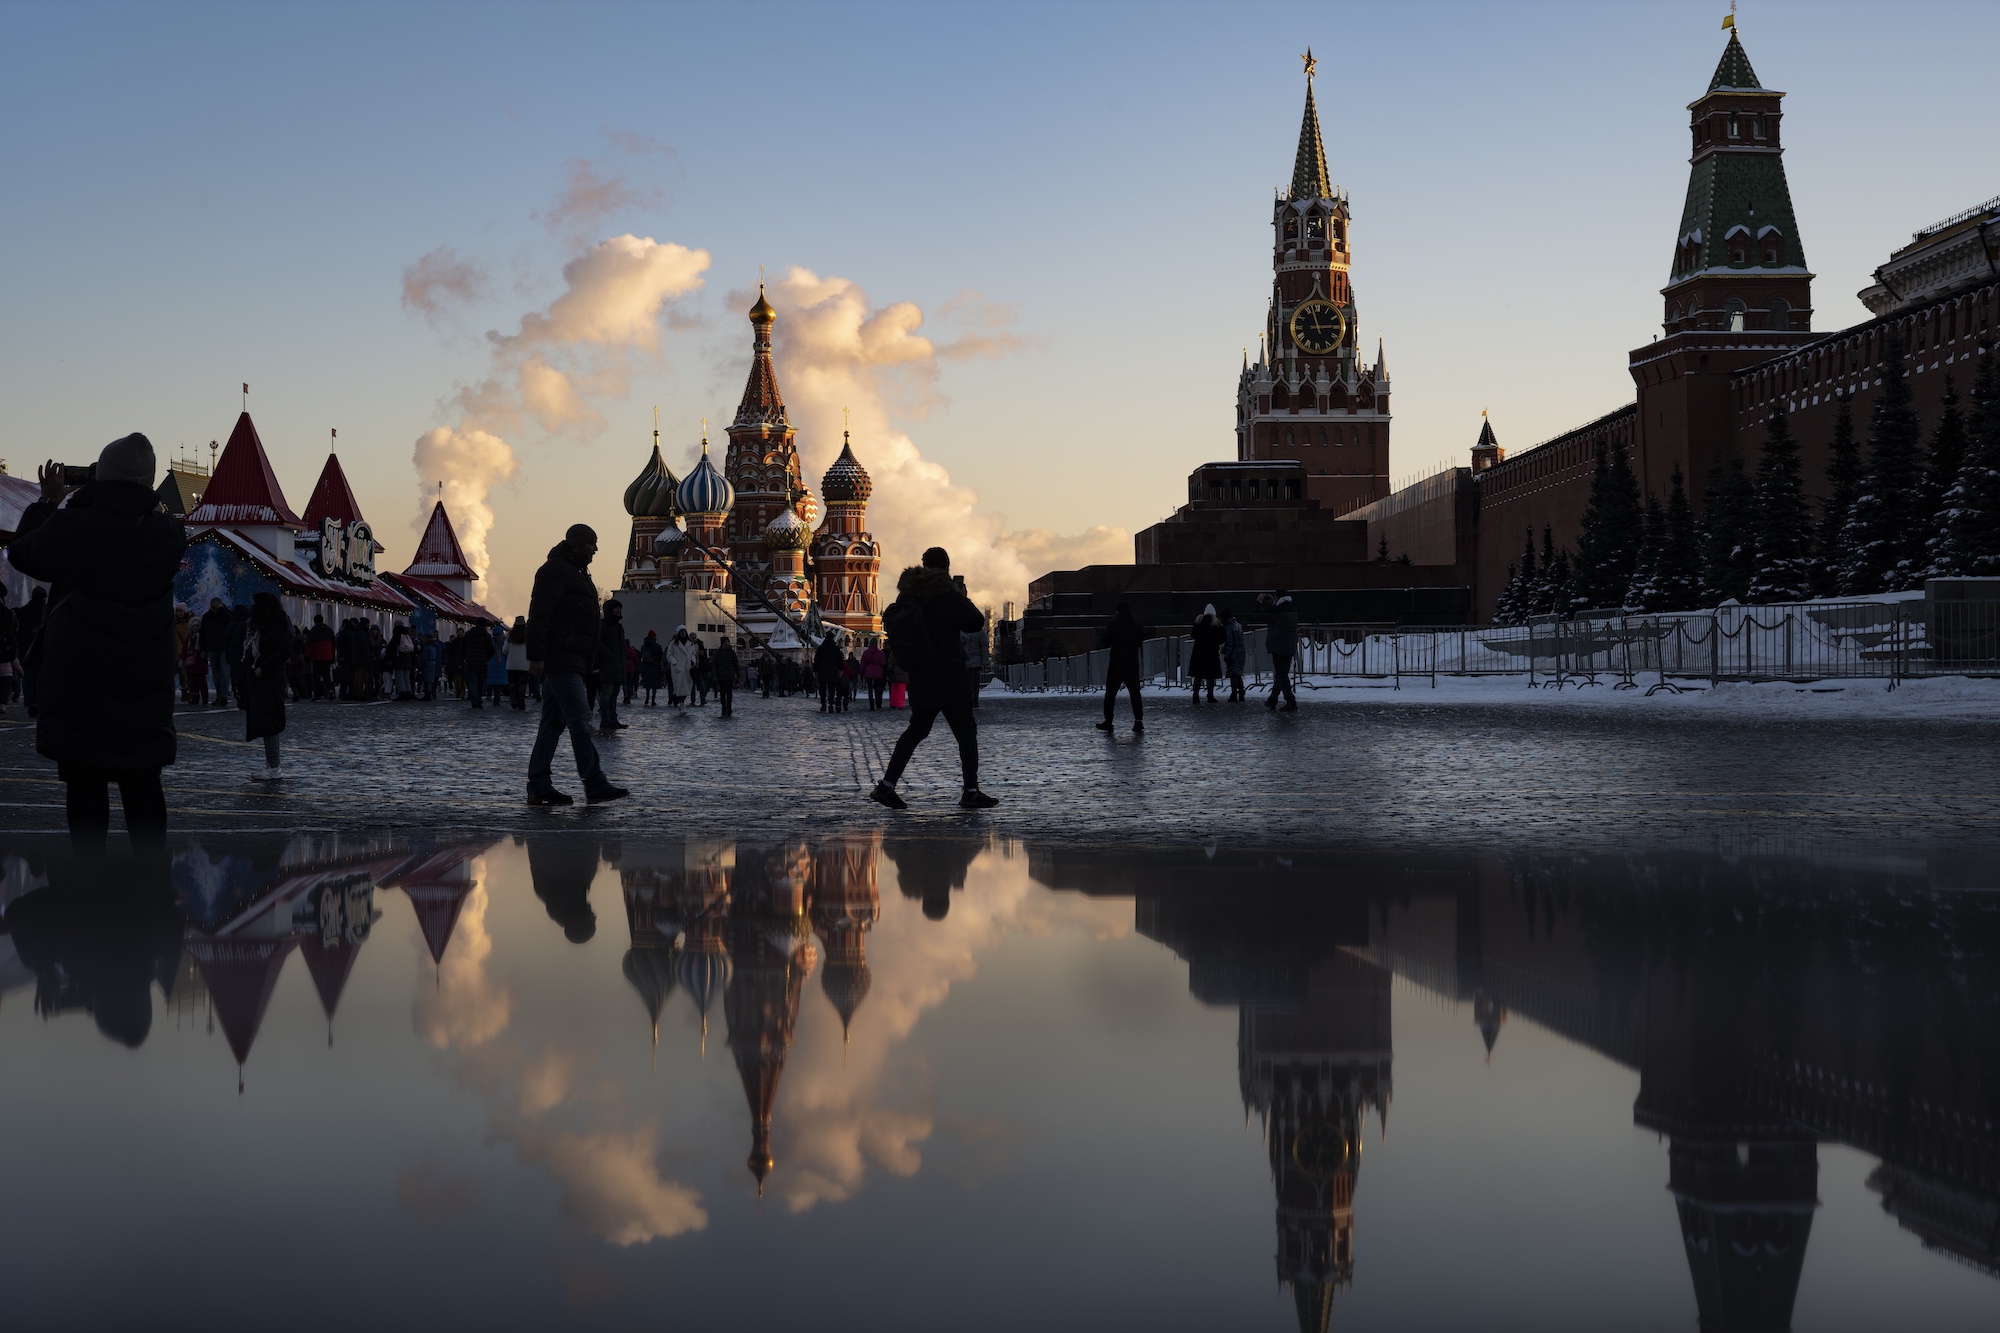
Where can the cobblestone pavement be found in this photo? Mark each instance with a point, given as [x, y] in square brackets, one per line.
[1364, 768]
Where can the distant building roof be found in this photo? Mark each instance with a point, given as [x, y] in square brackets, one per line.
[439, 555]
[244, 490]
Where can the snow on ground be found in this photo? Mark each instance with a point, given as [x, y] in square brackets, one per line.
[1930, 698]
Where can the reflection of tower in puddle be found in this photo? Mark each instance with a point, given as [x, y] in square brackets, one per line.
[771, 951]
[437, 887]
[701, 897]
[343, 916]
[1312, 1069]
[845, 906]
[653, 915]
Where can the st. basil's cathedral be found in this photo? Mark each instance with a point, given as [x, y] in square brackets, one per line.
[754, 534]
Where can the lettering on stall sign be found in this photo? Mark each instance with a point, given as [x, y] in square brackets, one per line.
[346, 552]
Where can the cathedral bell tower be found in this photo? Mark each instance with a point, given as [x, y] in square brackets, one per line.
[762, 465]
[1309, 397]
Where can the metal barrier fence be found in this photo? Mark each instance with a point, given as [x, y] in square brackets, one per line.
[1893, 638]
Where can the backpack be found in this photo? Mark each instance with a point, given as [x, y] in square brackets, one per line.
[910, 636]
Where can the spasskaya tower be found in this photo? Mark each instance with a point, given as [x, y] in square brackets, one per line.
[1309, 398]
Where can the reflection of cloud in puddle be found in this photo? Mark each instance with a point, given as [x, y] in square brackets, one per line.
[832, 1118]
[608, 1171]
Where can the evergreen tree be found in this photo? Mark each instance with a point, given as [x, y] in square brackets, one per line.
[1947, 455]
[1609, 541]
[1503, 609]
[1643, 594]
[1727, 532]
[1843, 483]
[1677, 577]
[1522, 583]
[1382, 550]
[1783, 529]
[1968, 538]
[1543, 591]
[1883, 527]
[1564, 597]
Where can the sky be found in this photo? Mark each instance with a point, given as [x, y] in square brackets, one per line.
[1026, 245]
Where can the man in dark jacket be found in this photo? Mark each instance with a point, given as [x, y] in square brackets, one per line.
[1281, 641]
[723, 664]
[105, 660]
[562, 647]
[610, 667]
[214, 632]
[938, 682]
[1123, 636]
[826, 670]
[477, 650]
[232, 647]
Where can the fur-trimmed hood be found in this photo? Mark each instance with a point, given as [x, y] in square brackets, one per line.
[921, 583]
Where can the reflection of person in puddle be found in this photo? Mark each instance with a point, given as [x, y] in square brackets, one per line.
[562, 870]
[929, 871]
[99, 948]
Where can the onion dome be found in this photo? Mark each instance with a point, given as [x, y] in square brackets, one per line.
[807, 506]
[652, 492]
[846, 481]
[668, 543]
[762, 312]
[788, 532]
[705, 491]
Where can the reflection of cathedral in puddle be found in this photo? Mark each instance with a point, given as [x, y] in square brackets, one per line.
[736, 924]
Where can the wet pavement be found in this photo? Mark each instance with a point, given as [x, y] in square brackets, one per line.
[1361, 768]
[856, 1082]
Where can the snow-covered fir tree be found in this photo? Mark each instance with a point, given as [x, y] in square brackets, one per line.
[1946, 456]
[1783, 522]
[1677, 576]
[1642, 594]
[1542, 593]
[1968, 536]
[1563, 598]
[1503, 609]
[1883, 528]
[1609, 542]
[1843, 483]
[1727, 532]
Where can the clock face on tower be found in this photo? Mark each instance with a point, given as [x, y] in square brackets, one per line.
[1318, 327]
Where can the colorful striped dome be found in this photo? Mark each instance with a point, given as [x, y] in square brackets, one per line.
[652, 492]
[706, 491]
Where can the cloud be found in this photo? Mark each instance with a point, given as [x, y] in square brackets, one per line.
[470, 463]
[545, 374]
[837, 350]
[462, 1007]
[440, 280]
[590, 194]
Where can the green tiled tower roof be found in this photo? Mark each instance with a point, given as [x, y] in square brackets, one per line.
[1733, 70]
[1726, 191]
[1309, 178]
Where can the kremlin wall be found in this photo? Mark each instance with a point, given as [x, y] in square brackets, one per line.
[1305, 503]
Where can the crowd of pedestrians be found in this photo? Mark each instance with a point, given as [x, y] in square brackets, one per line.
[1217, 649]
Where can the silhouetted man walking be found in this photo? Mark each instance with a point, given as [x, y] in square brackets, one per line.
[562, 646]
[924, 623]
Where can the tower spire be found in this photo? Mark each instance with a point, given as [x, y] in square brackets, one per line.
[1309, 174]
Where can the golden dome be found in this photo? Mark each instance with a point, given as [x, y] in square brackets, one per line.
[762, 313]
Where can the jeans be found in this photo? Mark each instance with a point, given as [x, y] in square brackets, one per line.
[1236, 686]
[475, 686]
[322, 680]
[88, 804]
[1115, 681]
[218, 668]
[958, 716]
[607, 709]
[564, 709]
[829, 693]
[270, 752]
[726, 695]
[874, 691]
[1281, 681]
